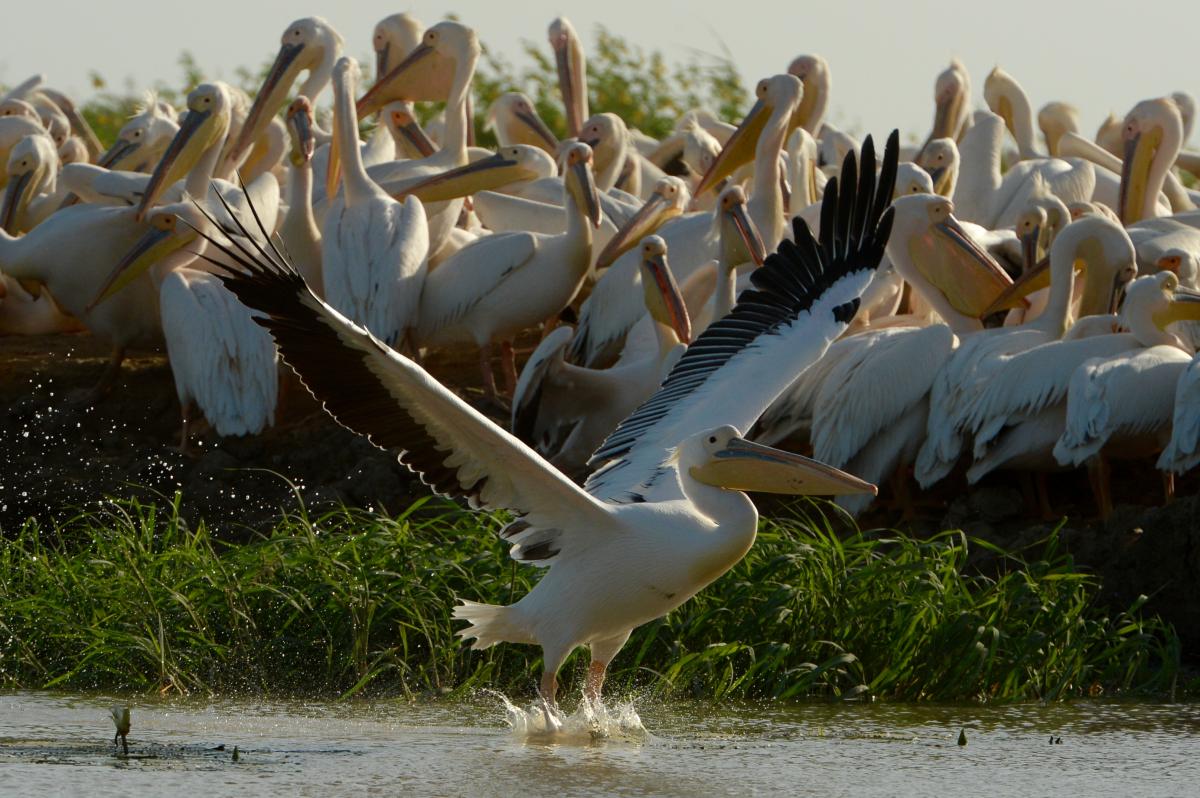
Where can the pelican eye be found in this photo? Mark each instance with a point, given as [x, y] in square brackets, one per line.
[712, 438]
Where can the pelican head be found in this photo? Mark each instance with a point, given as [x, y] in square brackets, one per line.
[668, 200]
[952, 101]
[309, 44]
[300, 130]
[1079, 210]
[779, 94]
[516, 121]
[911, 179]
[1006, 98]
[940, 159]
[1163, 298]
[946, 255]
[607, 135]
[1056, 118]
[1152, 135]
[169, 229]
[143, 139]
[579, 181]
[395, 37]
[663, 299]
[401, 121]
[813, 71]
[32, 166]
[572, 72]
[1183, 263]
[1030, 224]
[204, 127]
[1094, 245]
[722, 458]
[429, 72]
[1186, 104]
[1108, 135]
[12, 106]
[519, 163]
[740, 241]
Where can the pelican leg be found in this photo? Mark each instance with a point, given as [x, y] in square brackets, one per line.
[603, 652]
[485, 369]
[508, 360]
[1168, 487]
[107, 379]
[1098, 474]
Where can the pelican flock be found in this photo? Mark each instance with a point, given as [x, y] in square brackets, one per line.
[663, 312]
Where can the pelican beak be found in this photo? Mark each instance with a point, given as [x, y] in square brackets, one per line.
[381, 60]
[585, 186]
[270, 97]
[946, 115]
[981, 270]
[305, 142]
[747, 466]
[412, 131]
[1004, 110]
[941, 180]
[420, 76]
[570, 83]
[1184, 306]
[664, 298]
[748, 233]
[118, 152]
[1029, 248]
[151, 248]
[1140, 149]
[194, 136]
[333, 163]
[482, 175]
[738, 150]
[535, 123]
[1034, 278]
[31, 287]
[646, 221]
[14, 201]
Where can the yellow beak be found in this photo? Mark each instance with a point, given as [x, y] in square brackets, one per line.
[738, 150]
[747, 466]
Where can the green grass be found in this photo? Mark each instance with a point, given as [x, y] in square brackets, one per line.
[132, 598]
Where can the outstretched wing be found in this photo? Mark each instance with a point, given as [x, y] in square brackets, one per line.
[397, 405]
[803, 297]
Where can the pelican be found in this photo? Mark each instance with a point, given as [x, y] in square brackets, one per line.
[1020, 415]
[395, 37]
[501, 284]
[375, 250]
[1153, 137]
[515, 121]
[14, 129]
[952, 103]
[142, 140]
[572, 73]
[299, 231]
[664, 514]
[668, 200]
[408, 138]
[1095, 244]
[31, 194]
[1054, 119]
[1008, 100]
[51, 101]
[1108, 135]
[813, 71]
[309, 44]
[1182, 452]
[223, 363]
[573, 408]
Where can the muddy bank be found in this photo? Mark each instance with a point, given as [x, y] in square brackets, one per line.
[57, 454]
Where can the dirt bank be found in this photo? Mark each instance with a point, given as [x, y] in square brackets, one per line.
[56, 455]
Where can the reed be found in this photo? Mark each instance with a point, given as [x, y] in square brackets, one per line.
[131, 597]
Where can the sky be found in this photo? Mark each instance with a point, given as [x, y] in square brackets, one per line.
[1101, 56]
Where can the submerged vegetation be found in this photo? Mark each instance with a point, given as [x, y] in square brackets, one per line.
[132, 597]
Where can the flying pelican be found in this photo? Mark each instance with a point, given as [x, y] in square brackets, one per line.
[309, 44]
[375, 250]
[664, 515]
[572, 408]
[501, 284]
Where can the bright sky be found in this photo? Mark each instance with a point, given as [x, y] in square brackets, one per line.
[1102, 56]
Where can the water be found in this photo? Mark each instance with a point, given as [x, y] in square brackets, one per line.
[53, 744]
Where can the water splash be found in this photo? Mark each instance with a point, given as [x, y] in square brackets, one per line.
[591, 722]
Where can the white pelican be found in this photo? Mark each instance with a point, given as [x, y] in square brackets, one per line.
[813, 71]
[665, 514]
[1095, 244]
[142, 140]
[309, 44]
[222, 362]
[952, 103]
[669, 199]
[1020, 415]
[572, 73]
[1054, 119]
[1008, 100]
[396, 35]
[501, 284]
[12, 130]
[299, 232]
[515, 121]
[31, 194]
[1152, 136]
[567, 411]
[375, 250]
[1182, 452]
[48, 100]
